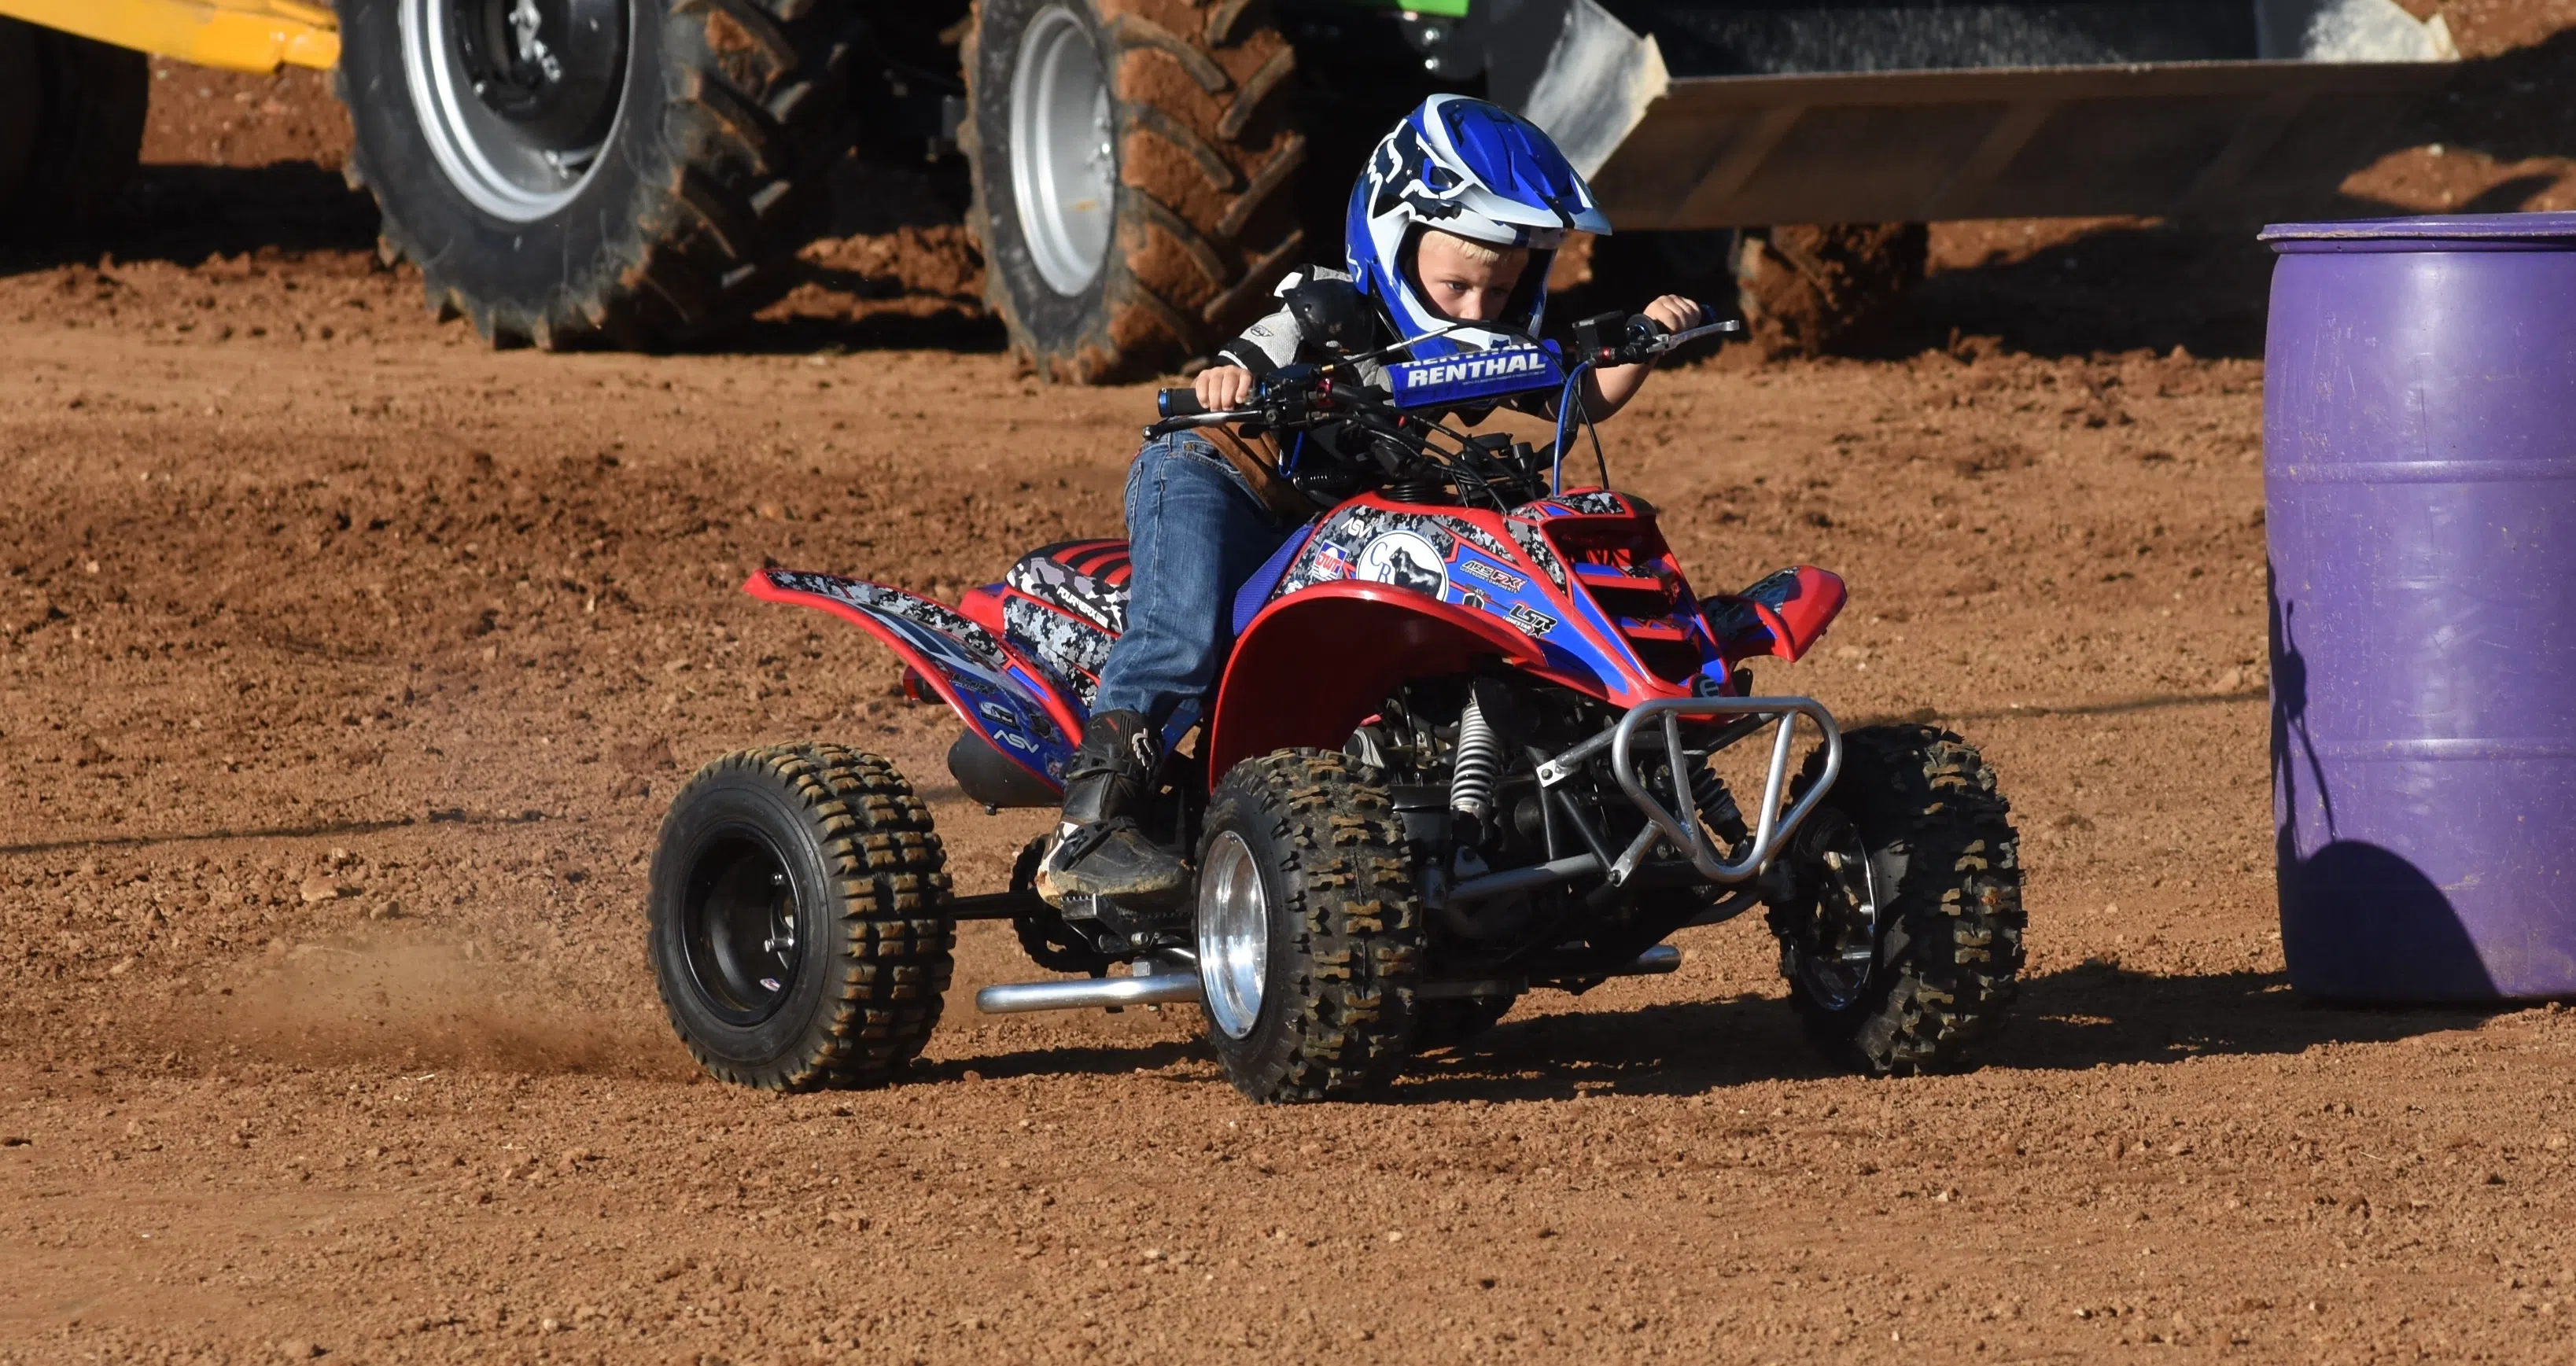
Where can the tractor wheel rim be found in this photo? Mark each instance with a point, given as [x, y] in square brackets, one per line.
[516, 97]
[1233, 935]
[1063, 150]
[739, 927]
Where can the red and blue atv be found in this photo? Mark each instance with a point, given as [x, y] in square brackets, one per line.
[1468, 743]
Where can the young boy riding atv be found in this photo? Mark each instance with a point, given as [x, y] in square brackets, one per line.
[1448, 725]
[1455, 220]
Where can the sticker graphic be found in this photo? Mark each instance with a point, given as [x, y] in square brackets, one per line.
[1531, 619]
[1535, 546]
[1406, 559]
[1500, 578]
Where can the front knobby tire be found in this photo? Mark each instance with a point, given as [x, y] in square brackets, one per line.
[1310, 994]
[1903, 946]
[655, 193]
[796, 928]
[1132, 167]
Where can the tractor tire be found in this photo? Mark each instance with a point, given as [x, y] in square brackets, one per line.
[71, 129]
[649, 188]
[1309, 929]
[1818, 290]
[1132, 165]
[795, 926]
[1904, 945]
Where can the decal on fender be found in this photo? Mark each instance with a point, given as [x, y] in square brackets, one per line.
[1500, 578]
[1404, 559]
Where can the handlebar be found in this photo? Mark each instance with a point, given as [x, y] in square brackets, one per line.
[1178, 403]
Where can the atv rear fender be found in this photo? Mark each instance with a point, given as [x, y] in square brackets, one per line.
[994, 690]
[1316, 663]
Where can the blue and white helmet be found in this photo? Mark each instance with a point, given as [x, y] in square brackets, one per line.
[1474, 170]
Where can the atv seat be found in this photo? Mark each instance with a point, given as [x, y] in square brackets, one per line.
[1087, 579]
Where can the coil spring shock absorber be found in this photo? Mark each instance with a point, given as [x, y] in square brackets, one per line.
[1717, 809]
[1479, 761]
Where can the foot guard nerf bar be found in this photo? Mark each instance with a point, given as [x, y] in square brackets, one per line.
[1176, 983]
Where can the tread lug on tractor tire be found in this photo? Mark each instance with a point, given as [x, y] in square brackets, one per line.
[1815, 290]
[1304, 860]
[1915, 827]
[71, 128]
[1114, 251]
[796, 933]
[662, 195]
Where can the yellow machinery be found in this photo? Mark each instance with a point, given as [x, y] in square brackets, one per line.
[642, 173]
[75, 87]
[238, 35]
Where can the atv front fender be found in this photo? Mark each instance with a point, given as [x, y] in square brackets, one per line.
[991, 688]
[1316, 663]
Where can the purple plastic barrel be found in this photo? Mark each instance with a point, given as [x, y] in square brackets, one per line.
[2419, 476]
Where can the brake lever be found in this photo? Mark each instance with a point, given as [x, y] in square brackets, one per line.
[1192, 421]
[1673, 341]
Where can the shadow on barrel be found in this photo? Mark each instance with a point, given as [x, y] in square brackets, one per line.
[2358, 921]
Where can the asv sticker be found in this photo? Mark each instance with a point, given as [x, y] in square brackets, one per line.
[1016, 741]
[1531, 619]
[1406, 559]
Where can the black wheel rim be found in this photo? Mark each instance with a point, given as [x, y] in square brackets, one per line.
[1837, 948]
[739, 927]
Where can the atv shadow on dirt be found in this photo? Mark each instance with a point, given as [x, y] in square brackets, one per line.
[2091, 1016]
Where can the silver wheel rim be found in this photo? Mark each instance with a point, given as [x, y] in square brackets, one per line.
[1064, 158]
[501, 167]
[1234, 935]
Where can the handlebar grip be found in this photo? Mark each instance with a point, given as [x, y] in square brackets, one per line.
[1178, 403]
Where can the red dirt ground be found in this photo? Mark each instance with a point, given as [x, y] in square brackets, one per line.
[345, 668]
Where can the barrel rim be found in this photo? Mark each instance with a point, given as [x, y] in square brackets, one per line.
[2428, 232]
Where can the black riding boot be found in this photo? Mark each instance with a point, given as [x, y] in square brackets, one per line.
[1098, 850]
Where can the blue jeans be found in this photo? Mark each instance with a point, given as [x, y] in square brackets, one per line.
[1195, 532]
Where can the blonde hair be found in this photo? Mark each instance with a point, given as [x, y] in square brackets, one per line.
[1481, 253]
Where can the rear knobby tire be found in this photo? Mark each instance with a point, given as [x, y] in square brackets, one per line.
[705, 185]
[71, 127]
[1942, 963]
[841, 837]
[1202, 219]
[1337, 1006]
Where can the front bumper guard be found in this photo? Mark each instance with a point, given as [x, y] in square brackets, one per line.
[1655, 726]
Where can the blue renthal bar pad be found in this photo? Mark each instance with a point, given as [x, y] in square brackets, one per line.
[1453, 380]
